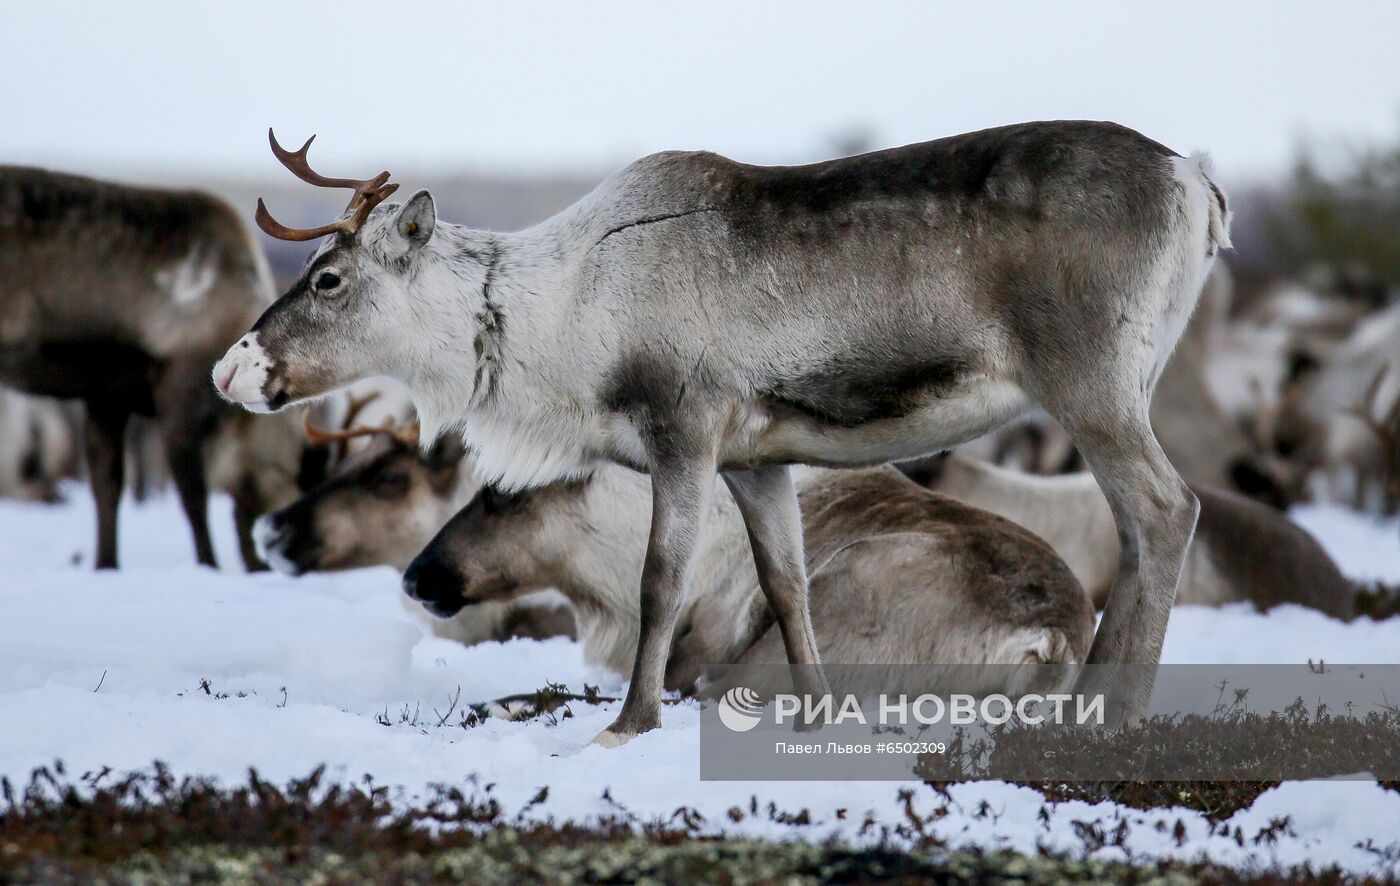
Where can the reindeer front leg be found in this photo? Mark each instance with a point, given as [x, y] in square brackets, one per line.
[768, 503]
[681, 491]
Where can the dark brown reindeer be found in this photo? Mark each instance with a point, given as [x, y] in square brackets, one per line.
[695, 315]
[119, 297]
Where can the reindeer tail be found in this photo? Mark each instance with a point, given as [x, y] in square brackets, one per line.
[1219, 206]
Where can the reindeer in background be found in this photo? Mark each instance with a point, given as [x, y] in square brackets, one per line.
[695, 315]
[119, 297]
[380, 505]
[1243, 551]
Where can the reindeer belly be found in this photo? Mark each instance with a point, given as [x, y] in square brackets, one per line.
[926, 419]
[82, 370]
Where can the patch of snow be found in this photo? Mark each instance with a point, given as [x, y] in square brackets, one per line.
[1365, 546]
[106, 670]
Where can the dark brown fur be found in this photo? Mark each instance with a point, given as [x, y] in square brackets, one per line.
[82, 316]
[1270, 559]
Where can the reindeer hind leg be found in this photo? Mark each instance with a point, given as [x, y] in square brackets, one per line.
[104, 431]
[1155, 512]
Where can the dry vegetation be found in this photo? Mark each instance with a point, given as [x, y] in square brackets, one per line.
[151, 827]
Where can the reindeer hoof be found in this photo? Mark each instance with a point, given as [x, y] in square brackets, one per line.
[610, 739]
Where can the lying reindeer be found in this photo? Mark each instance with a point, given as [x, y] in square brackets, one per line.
[899, 575]
[380, 507]
[1242, 550]
[695, 315]
[119, 297]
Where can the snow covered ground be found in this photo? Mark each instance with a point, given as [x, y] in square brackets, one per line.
[106, 670]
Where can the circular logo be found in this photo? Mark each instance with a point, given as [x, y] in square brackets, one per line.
[740, 709]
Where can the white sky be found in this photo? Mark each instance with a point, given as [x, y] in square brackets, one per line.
[170, 89]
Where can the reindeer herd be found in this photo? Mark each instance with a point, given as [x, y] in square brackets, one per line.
[662, 420]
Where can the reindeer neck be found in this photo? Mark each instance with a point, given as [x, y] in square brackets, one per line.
[500, 314]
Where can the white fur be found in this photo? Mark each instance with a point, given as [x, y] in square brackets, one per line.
[189, 280]
[263, 540]
[1219, 216]
[35, 428]
[240, 375]
[529, 437]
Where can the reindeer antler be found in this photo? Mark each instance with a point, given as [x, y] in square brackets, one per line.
[1382, 427]
[369, 193]
[407, 435]
[1386, 427]
[354, 405]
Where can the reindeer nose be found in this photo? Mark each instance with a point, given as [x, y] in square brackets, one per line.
[436, 584]
[225, 378]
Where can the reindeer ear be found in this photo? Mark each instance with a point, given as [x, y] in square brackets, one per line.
[415, 221]
[448, 451]
[444, 461]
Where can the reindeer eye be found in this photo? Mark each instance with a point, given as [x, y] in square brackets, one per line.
[391, 484]
[327, 280]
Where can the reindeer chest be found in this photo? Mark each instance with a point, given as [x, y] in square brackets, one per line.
[85, 370]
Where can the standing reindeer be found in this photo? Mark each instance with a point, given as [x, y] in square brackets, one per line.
[119, 297]
[694, 315]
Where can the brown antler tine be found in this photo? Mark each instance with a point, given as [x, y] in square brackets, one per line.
[317, 436]
[298, 165]
[273, 228]
[365, 200]
[369, 193]
[409, 435]
[355, 405]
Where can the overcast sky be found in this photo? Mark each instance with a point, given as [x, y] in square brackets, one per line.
[171, 89]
